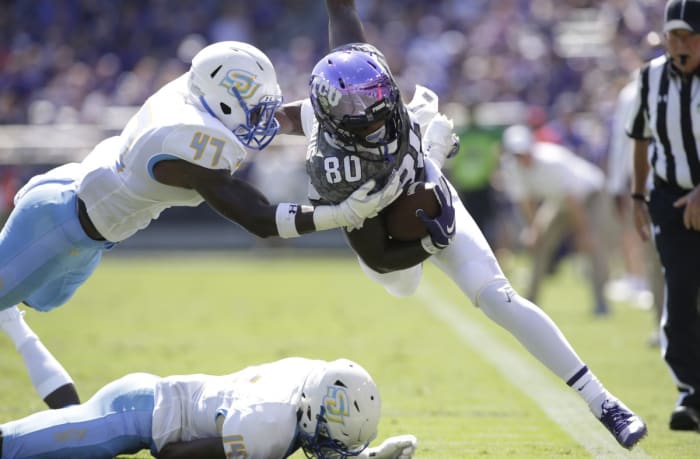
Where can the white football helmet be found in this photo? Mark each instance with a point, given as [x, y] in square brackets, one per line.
[236, 83]
[339, 411]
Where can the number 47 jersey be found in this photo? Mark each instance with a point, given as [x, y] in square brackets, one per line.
[336, 170]
[118, 188]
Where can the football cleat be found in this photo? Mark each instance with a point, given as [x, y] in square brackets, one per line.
[626, 427]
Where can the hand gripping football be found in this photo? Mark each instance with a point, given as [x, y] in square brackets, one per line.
[400, 217]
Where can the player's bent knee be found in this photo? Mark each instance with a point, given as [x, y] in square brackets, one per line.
[496, 296]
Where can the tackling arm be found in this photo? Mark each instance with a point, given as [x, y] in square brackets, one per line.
[242, 203]
[344, 25]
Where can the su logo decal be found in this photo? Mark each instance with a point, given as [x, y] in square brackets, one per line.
[241, 81]
[336, 404]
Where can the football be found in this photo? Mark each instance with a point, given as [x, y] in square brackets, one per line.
[400, 217]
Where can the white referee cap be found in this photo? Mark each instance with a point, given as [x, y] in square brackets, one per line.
[682, 14]
[518, 139]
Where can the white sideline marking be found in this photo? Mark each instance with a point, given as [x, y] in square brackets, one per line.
[556, 399]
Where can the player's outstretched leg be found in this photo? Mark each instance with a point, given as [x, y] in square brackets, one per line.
[50, 379]
[542, 338]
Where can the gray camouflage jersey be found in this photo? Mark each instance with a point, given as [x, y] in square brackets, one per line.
[335, 171]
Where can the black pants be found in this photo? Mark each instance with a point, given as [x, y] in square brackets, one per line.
[679, 251]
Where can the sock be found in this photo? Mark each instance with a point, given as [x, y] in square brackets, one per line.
[15, 327]
[590, 389]
[46, 373]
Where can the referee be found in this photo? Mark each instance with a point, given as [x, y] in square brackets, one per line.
[665, 126]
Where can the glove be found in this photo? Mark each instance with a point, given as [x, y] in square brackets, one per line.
[360, 205]
[439, 142]
[442, 228]
[400, 447]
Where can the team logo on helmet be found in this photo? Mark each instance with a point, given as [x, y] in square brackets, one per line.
[241, 81]
[327, 94]
[336, 404]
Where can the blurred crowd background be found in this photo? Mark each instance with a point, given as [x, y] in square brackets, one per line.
[65, 60]
[556, 65]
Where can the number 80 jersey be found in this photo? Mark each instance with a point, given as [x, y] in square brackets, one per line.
[336, 170]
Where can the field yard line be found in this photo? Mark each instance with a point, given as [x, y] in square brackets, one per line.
[555, 399]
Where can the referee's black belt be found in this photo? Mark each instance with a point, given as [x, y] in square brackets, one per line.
[670, 188]
[86, 223]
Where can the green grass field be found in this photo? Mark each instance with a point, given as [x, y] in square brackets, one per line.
[463, 386]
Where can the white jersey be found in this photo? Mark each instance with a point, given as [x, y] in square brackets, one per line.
[556, 172]
[118, 188]
[259, 403]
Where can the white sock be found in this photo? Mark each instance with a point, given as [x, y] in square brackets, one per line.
[15, 327]
[585, 383]
[46, 373]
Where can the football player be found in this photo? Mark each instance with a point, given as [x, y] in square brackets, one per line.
[360, 130]
[268, 411]
[180, 149]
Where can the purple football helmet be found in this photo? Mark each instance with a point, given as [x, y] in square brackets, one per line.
[355, 97]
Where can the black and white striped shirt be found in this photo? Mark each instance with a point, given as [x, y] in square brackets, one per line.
[667, 112]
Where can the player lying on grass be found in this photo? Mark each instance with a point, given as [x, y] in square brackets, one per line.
[180, 149]
[355, 116]
[268, 411]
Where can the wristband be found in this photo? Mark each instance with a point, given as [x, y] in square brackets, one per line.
[639, 197]
[285, 218]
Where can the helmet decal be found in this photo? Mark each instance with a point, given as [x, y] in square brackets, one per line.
[328, 95]
[242, 81]
[336, 403]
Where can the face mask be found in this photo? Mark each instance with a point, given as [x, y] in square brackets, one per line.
[376, 136]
